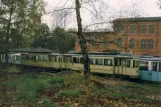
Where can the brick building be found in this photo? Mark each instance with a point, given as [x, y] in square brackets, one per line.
[138, 35]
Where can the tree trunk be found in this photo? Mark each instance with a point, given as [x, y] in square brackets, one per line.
[82, 41]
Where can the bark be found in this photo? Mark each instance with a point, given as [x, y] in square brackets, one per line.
[8, 33]
[82, 41]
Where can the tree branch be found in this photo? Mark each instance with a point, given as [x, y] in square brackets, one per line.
[70, 8]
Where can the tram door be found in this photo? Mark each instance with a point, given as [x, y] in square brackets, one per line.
[120, 66]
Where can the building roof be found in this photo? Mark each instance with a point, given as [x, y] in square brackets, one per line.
[98, 32]
[31, 50]
[138, 19]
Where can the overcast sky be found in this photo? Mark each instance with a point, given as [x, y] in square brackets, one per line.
[148, 8]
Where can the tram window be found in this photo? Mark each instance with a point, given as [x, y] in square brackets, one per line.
[154, 66]
[160, 66]
[45, 58]
[108, 62]
[75, 60]
[53, 58]
[81, 60]
[99, 61]
[69, 59]
[134, 64]
[124, 62]
[143, 65]
[120, 63]
[91, 61]
[116, 62]
[128, 63]
[56, 58]
[33, 58]
[59, 59]
[137, 64]
[24, 57]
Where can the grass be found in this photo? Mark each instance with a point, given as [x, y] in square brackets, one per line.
[122, 96]
[30, 86]
[70, 93]
[66, 89]
[13, 69]
[9, 69]
[47, 103]
[100, 91]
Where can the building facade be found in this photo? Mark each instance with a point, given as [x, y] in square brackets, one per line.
[136, 35]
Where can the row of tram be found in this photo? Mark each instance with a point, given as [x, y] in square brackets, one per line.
[99, 63]
[145, 68]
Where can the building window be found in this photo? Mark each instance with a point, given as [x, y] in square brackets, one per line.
[143, 44]
[132, 43]
[120, 29]
[106, 43]
[132, 29]
[143, 29]
[151, 44]
[151, 29]
[119, 44]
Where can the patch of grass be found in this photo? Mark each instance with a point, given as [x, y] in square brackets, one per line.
[100, 91]
[122, 96]
[68, 105]
[47, 103]
[3, 66]
[29, 86]
[56, 80]
[11, 84]
[13, 69]
[28, 96]
[72, 93]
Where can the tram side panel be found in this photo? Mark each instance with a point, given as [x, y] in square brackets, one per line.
[102, 65]
[35, 60]
[77, 63]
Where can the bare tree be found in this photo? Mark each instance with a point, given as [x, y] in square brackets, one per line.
[94, 10]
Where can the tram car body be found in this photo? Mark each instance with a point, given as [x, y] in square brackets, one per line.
[104, 64]
[13, 58]
[109, 64]
[150, 69]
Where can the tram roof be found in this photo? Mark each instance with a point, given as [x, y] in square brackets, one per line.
[151, 59]
[93, 55]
